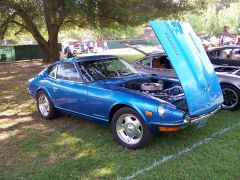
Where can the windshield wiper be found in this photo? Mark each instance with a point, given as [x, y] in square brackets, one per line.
[128, 74]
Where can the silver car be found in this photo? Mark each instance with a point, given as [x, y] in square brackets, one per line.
[229, 76]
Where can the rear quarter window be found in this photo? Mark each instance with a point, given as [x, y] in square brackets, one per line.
[52, 71]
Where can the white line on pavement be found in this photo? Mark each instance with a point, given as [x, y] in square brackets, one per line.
[180, 153]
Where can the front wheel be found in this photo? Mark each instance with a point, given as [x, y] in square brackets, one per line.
[231, 96]
[129, 129]
[45, 106]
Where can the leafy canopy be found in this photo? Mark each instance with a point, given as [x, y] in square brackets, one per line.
[49, 16]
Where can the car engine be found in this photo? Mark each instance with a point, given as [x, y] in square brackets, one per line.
[162, 89]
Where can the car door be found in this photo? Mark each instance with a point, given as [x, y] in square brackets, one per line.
[69, 93]
[99, 97]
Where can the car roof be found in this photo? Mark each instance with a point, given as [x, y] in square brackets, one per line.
[156, 54]
[87, 58]
[226, 66]
[151, 55]
[224, 47]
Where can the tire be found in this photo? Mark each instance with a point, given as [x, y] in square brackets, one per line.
[231, 96]
[43, 100]
[129, 129]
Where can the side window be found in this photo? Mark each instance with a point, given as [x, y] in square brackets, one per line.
[235, 54]
[214, 54]
[52, 70]
[146, 62]
[67, 71]
[228, 53]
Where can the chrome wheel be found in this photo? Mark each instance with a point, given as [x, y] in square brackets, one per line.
[43, 105]
[129, 129]
[230, 98]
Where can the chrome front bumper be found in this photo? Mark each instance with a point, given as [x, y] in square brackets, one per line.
[193, 120]
[187, 120]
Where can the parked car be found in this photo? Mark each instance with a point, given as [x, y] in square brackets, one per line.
[108, 90]
[228, 76]
[225, 55]
[77, 49]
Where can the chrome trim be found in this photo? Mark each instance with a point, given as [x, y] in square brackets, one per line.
[194, 120]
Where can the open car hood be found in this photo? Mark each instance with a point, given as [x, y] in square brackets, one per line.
[194, 70]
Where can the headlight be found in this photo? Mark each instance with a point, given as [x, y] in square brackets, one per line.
[161, 110]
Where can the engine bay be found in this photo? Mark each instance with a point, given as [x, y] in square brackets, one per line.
[171, 92]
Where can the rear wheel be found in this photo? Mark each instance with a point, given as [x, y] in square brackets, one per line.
[45, 106]
[231, 96]
[129, 129]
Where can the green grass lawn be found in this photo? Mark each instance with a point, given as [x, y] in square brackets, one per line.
[73, 148]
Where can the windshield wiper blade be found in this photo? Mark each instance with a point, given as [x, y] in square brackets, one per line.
[128, 74]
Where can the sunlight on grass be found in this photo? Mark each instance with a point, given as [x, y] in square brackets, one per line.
[7, 78]
[8, 112]
[66, 139]
[101, 172]
[6, 135]
[9, 97]
[81, 155]
[4, 121]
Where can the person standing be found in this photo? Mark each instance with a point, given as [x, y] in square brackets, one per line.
[91, 44]
[222, 40]
[105, 46]
[68, 52]
[95, 46]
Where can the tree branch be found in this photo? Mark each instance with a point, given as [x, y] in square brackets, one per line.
[74, 22]
[29, 25]
[20, 24]
[4, 25]
[19, 31]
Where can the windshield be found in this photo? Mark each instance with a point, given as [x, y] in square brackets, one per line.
[105, 69]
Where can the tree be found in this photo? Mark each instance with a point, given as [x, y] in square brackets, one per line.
[36, 16]
[217, 16]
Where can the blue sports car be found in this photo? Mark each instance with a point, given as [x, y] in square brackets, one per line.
[108, 90]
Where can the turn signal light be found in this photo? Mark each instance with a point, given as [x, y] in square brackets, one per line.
[148, 113]
[169, 129]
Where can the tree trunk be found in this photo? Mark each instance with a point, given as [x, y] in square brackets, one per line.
[51, 51]
[46, 55]
[53, 44]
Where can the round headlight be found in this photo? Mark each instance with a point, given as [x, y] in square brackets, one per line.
[161, 110]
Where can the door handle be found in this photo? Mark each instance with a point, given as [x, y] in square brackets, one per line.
[55, 88]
